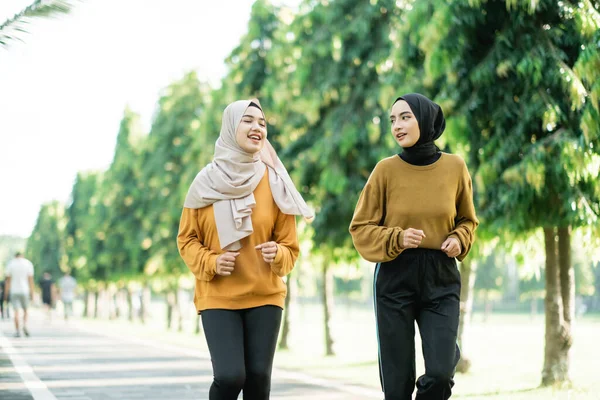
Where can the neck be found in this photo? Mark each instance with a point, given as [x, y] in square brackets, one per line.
[421, 154]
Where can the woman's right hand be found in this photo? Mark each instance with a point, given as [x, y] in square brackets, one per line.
[226, 262]
[412, 238]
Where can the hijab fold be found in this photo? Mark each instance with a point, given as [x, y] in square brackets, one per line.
[229, 181]
[431, 125]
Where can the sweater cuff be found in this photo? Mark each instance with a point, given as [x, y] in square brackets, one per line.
[211, 269]
[278, 256]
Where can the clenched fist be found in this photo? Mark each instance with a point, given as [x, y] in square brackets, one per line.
[268, 250]
[451, 247]
[412, 238]
[226, 262]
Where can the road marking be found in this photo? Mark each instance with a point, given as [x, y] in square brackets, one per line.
[284, 374]
[37, 388]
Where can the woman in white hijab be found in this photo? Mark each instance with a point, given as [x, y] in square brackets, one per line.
[237, 235]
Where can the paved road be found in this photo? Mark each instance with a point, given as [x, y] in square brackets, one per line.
[65, 362]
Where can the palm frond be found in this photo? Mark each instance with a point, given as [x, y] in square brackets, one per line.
[12, 27]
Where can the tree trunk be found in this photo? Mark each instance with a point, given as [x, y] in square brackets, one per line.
[178, 310]
[533, 307]
[170, 303]
[557, 342]
[467, 277]
[86, 304]
[489, 305]
[567, 275]
[144, 302]
[129, 305]
[285, 329]
[327, 299]
[115, 313]
[485, 305]
[96, 298]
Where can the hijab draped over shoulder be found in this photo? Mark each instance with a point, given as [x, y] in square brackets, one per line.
[228, 182]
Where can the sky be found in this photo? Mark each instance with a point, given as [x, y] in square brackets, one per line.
[64, 89]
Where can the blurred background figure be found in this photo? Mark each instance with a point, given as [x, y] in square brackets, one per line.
[67, 285]
[48, 289]
[19, 283]
[3, 307]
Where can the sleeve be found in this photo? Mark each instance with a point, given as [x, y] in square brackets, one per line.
[466, 220]
[199, 259]
[30, 269]
[286, 237]
[374, 242]
[8, 271]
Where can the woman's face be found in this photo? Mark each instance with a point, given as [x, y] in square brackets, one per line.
[405, 126]
[251, 133]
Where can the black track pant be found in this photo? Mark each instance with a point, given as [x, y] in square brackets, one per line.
[242, 346]
[420, 285]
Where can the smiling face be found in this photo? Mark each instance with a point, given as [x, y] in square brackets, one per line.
[252, 131]
[405, 126]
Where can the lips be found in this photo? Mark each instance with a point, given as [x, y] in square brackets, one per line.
[400, 136]
[255, 136]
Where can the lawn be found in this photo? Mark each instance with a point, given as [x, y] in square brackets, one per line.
[506, 351]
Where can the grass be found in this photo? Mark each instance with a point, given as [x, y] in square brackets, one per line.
[506, 351]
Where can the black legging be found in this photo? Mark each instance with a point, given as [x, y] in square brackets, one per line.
[242, 346]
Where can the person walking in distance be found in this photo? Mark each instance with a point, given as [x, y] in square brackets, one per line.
[67, 286]
[19, 283]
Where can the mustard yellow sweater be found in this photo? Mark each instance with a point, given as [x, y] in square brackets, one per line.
[436, 198]
[253, 282]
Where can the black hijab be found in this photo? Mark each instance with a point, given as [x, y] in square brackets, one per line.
[431, 125]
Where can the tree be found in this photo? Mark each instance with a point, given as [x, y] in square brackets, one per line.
[328, 98]
[123, 198]
[170, 159]
[80, 231]
[45, 247]
[12, 27]
[123, 251]
[489, 280]
[515, 79]
[9, 245]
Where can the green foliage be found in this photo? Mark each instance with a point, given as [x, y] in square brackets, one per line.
[169, 155]
[332, 109]
[45, 247]
[82, 236]
[9, 245]
[490, 274]
[12, 27]
[518, 81]
[123, 254]
[516, 75]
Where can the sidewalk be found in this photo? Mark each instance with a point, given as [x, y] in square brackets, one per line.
[68, 361]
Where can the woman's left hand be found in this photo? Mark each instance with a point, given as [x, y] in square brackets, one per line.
[451, 247]
[269, 251]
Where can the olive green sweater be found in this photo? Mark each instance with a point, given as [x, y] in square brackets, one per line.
[436, 198]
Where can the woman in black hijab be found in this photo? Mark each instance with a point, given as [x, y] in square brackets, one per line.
[415, 218]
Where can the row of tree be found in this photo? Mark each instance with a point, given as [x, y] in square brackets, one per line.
[519, 81]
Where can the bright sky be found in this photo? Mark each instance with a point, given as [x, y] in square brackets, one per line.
[63, 91]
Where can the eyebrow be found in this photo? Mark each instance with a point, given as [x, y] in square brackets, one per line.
[401, 114]
[251, 116]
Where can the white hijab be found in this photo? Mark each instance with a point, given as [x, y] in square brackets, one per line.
[228, 182]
